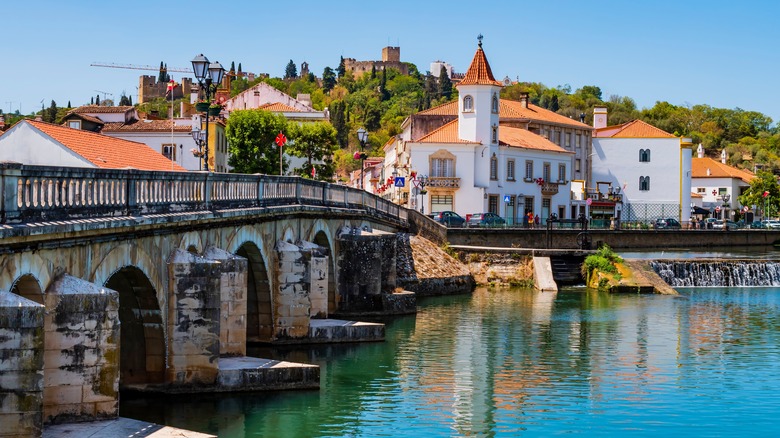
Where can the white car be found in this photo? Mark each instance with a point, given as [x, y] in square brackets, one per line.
[771, 223]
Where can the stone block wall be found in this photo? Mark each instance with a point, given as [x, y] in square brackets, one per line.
[193, 319]
[233, 301]
[292, 305]
[81, 352]
[366, 269]
[21, 366]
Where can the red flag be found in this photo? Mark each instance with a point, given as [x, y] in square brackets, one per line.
[169, 89]
[313, 172]
[766, 193]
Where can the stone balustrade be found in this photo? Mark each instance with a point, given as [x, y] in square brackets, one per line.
[444, 182]
[44, 193]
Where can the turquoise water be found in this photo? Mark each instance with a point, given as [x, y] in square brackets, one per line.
[511, 362]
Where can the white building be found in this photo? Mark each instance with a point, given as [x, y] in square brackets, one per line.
[719, 185]
[645, 167]
[474, 165]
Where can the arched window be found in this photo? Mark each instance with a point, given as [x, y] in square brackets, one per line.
[494, 136]
[644, 155]
[644, 183]
[493, 167]
[468, 103]
[494, 105]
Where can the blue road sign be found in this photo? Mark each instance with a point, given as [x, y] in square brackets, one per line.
[506, 199]
[399, 181]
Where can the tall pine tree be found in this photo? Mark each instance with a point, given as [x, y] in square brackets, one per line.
[339, 121]
[161, 75]
[290, 72]
[328, 79]
[445, 85]
[341, 70]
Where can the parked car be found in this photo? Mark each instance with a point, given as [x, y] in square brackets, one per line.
[668, 223]
[485, 220]
[449, 218]
[720, 224]
[771, 223]
[756, 225]
[708, 223]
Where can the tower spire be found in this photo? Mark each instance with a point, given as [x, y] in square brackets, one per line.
[479, 39]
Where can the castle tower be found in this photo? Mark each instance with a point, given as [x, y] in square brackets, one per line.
[391, 54]
[478, 105]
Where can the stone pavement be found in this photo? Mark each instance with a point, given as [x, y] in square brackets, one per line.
[119, 428]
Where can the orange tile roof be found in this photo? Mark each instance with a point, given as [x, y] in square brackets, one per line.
[100, 109]
[106, 152]
[445, 134]
[479, 72]
[633, 129]
[523, 138]
[700, 166]
[279, 108]
[511, 109]
[86, 117]
[145, 125]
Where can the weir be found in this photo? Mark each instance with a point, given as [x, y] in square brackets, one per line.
[718, 272]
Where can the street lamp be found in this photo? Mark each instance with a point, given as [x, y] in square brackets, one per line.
[422, 181]
[208, 74]
[362, 135]
[395, 175]
[726, 198]
[199, 136]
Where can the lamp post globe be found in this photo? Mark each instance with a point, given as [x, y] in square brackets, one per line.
[362, 135]
[208, 74]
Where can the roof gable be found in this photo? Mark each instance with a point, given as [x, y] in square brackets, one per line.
[634, 129]
[710, 168]
[479, 72]
[106, 152]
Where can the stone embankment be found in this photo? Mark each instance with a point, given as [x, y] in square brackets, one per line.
[426, 269]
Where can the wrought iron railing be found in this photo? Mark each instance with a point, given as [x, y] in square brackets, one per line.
[44, 193]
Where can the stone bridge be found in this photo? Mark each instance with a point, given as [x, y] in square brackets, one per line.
[192, 266]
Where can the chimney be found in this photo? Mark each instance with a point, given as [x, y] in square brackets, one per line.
[524, 100]
[599, 117]
[38, 118]
[700, 151]
[723, 156]
[582, 117]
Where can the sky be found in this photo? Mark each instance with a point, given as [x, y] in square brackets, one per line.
[686, 52]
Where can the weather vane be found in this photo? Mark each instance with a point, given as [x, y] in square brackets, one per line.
[479, 38]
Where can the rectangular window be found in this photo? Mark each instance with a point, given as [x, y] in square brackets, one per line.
[510, 170]
[442, 167]
[568, 140]
[493, 168]
[722, 191]
[546, 172]
[557, 137]
[74, 124]
[169, 151]
[578, 141]
[561, 173]
[493, 204]
[529, 204]
[701, 190]
[577, 165]
[529, 169]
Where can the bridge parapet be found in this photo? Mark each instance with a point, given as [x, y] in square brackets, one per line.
[44, 193]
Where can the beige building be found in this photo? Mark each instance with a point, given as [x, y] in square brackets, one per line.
[391, 58]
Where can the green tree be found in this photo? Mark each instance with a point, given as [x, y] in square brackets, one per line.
[69, 105]
[764, 182]
[161, 75]
[239, 69]
[316, 142]
[232, 66]
[124, 100]
[445, 85]
[328, 79]
[97, 100]
[50, 114]
[339, 121]
[290, 72]
[341, 69]
[250, 135]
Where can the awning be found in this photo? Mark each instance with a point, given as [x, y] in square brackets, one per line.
[698, 210]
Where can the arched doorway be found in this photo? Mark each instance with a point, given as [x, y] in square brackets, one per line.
[259, 313]
[321, 239]
[27, 286]
[142, 339]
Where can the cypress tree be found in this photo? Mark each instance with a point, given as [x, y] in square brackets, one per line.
[383, 94]
[69, 107]
[290, 72]
[97, 100]
[161, 75]
[341, 70]
[233, 66]
[91, 100]
[51, 113]
[328, 79]
[373, 71]
[445, 84]
[239, 69]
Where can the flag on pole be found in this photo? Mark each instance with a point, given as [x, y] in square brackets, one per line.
[169, 89]
[281, 140]
[313, 172]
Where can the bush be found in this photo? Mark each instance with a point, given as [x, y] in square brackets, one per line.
[603, 260]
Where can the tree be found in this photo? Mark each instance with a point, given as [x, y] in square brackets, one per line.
[97, 100]
[328, 79]
[445, 85]
[764, 182]
[161, 75]
[250, 135]
[124, 100]
[341, 70]
[50, 115]
[383, 94]
[69, 105]
[232, 66]
[239, 69]
[290, 72]
[316, 142]
[339, 122]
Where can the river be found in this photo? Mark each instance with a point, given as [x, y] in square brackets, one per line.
[509, 362]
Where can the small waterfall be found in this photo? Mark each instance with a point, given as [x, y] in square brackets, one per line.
[738, 273]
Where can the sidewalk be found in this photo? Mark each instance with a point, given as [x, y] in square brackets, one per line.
[119, 428]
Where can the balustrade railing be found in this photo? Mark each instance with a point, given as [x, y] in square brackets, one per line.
[43, 193]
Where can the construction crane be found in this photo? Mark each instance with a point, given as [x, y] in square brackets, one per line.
[139, 67]
[104, 93]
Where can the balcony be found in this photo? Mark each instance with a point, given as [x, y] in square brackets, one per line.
[549, 189]
[443, 182]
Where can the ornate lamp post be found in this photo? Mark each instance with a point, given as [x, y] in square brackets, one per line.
[199, 137]
[726, 199]
[208, 74]
[362, 138]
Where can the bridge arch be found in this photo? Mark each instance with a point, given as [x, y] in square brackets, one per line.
[27, 286]
[142, 338]
[259, 300]
[125, 255]
[191, 242]
[24, 264]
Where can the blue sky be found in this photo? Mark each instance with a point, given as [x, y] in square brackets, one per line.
[721, 53]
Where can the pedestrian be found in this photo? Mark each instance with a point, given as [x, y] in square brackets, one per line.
[530, 219]
[537, 220]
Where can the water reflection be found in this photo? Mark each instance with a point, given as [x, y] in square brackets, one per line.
[513, 361]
